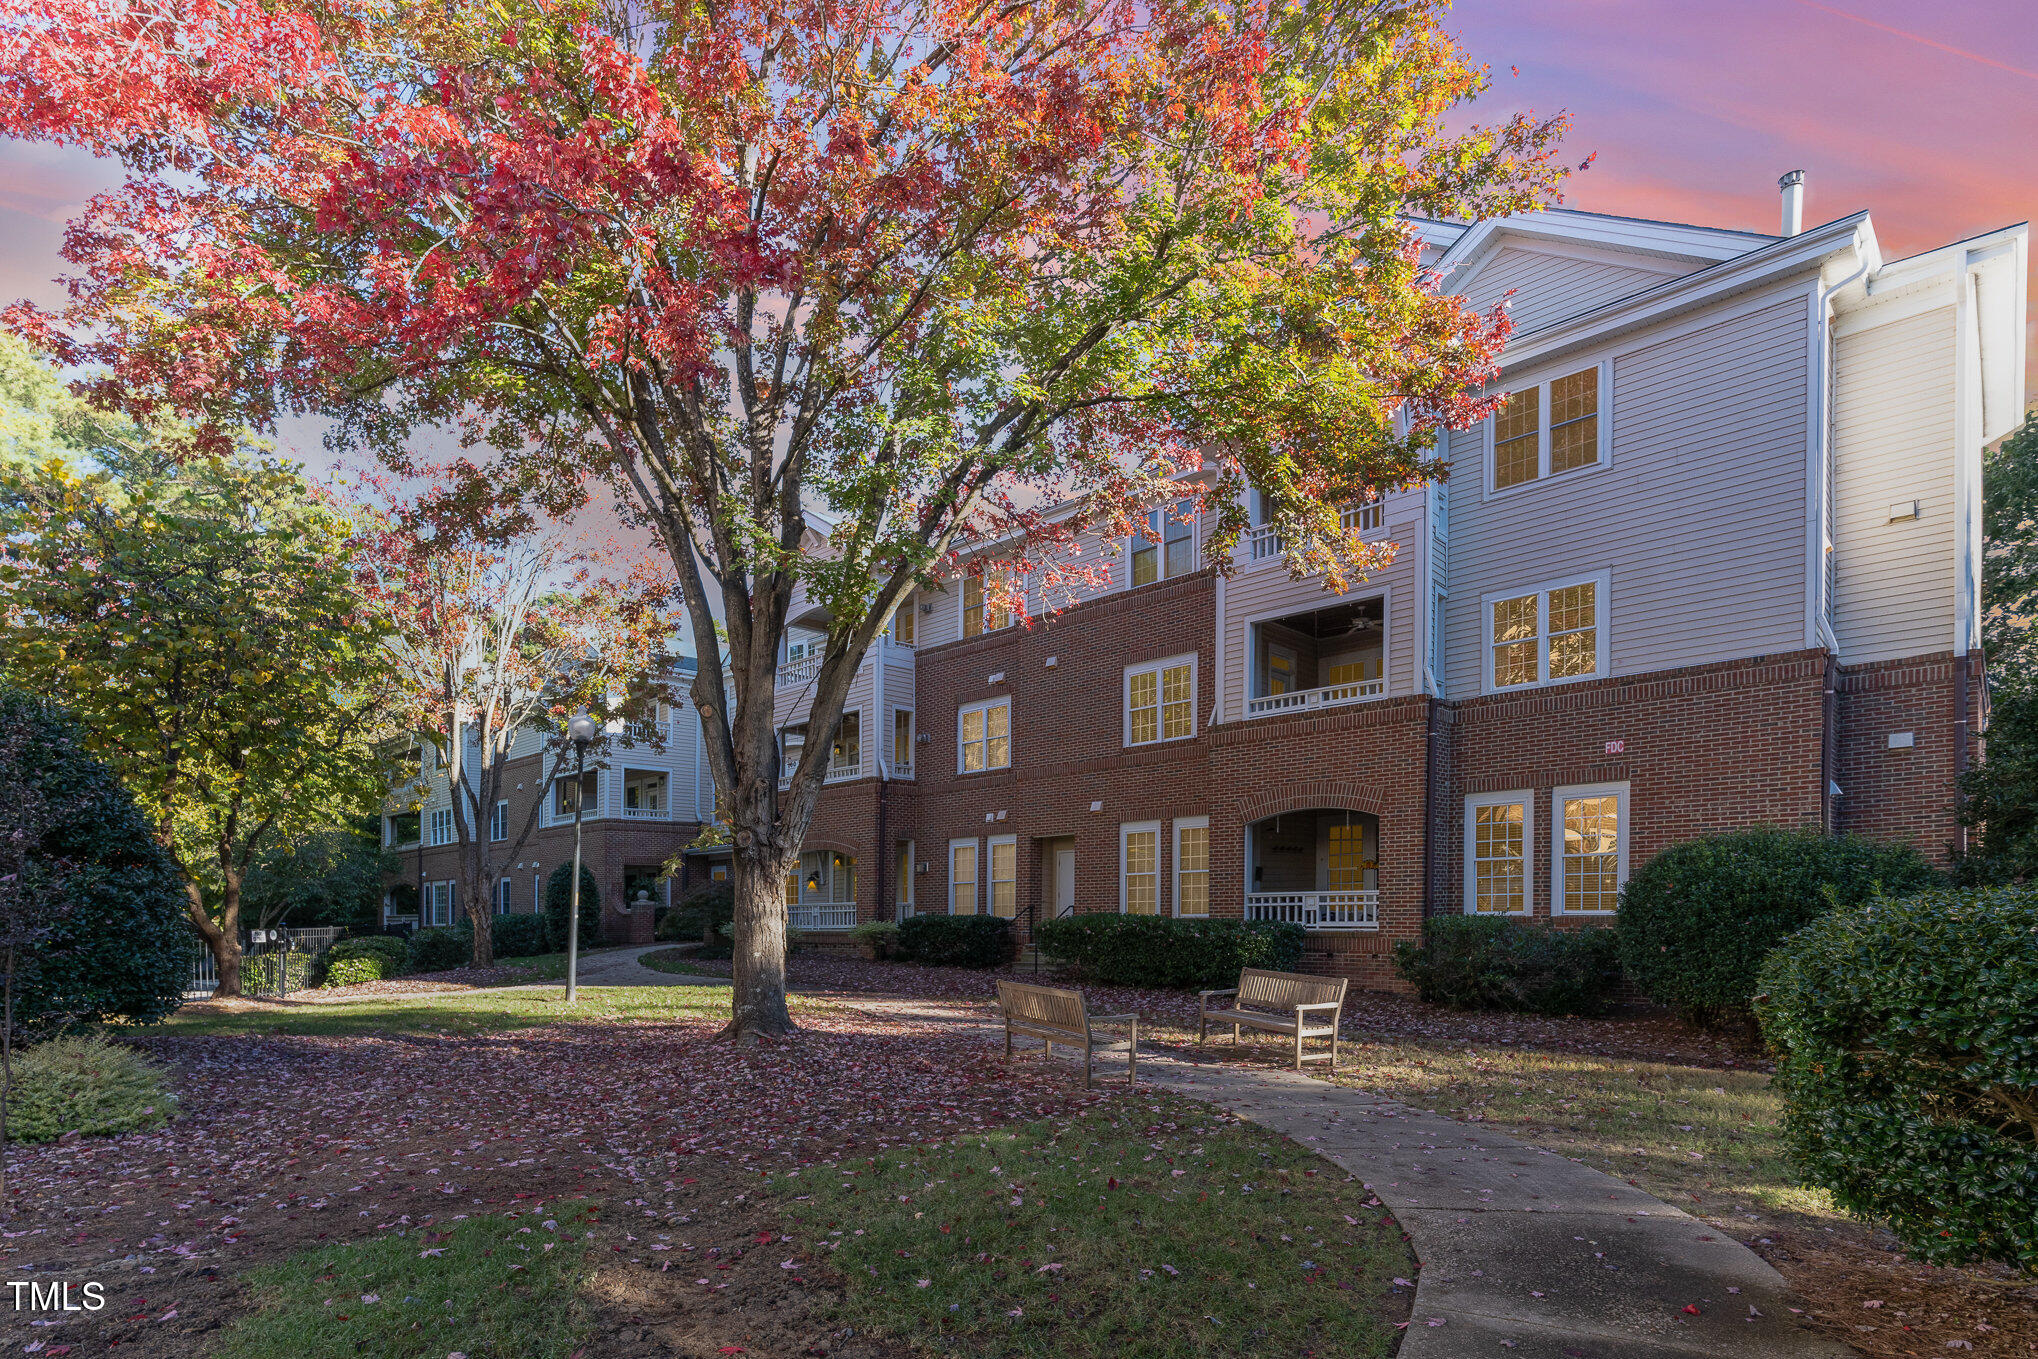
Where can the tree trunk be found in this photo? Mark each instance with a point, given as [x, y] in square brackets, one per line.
[758, 1004]
[222, 938]
[481, 911]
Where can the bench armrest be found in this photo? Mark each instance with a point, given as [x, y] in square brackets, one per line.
[1113, 1019]
[1320, 1005]
[1227, 991]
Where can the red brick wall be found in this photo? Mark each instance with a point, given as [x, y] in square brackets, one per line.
[1902, 793]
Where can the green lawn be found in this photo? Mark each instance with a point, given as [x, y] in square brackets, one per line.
[1700, 1137]
[495, 1287]
[460, 1012]
[1154, 1227]
[672, 960]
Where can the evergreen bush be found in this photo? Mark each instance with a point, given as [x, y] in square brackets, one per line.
[366, 958]
[1906, 1037]
[1152, 950]
[85, 1083]
[1472, 962]
[955, 940]
[559, 900]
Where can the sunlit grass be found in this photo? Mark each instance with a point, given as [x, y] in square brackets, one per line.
[1147, 1228]
[463, 1012]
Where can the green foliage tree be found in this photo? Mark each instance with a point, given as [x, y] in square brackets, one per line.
[331, 875]
[2001, 791]
[559, 901]
[200, 621]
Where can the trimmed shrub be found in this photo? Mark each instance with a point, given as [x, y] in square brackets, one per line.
[1154, 950]
[1474, 962]
[700, 913]
[85, 1083]
[520, 936]
[123, 947]
[955, 940]
[435, 950]
[373, 957]
[1697, 920]
[1907, 1058]
[559, 900]
[881, 937]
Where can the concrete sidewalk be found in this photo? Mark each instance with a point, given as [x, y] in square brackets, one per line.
[1524, 1253]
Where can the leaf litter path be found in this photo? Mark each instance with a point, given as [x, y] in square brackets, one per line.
[1524, 1252]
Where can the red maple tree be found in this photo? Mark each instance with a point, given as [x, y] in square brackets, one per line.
[932, 263]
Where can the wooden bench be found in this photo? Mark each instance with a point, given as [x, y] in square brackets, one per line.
[1056, 1015]
[1279, 1002]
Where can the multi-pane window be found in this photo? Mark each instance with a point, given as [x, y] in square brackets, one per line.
[1170, 551]
[845, 757]
[903, 884]
[1139, 854]
[1160, 701]
[1550, 634]
[962, 877]
[985, 731]
[1591, 860]
[1192, 865]
[439, 904]
[1548, 428]
[502, 897]
[902, 739]
[498, 822]
[981, 613]
[442, 826]
[1347, 858]
[1497, 834]
[902, 620]
[1004, 852]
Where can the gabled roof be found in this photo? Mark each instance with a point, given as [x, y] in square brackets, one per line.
[1464, 246]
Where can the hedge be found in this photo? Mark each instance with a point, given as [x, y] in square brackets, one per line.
[520, 936]
[1152, 950]
[435, 950]
[1697, 920]
[124, 946]
[373, 957]
[703, 910]
[1907, 1057]
[88, 1084]
[559, 900]
[1472, 962]
[955, 940]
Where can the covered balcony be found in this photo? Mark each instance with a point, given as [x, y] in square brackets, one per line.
[645, 795]
[1318, 869]
[821, 895]
[1321, 659]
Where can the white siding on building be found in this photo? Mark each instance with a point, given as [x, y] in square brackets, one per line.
[1893, 408]
[1700, 520]
[1549, 287]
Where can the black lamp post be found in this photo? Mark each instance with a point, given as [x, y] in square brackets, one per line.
[582, 730]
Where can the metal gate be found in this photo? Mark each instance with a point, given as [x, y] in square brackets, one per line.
[273, 962]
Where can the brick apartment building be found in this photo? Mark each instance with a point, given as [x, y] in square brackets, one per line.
[1715, 564]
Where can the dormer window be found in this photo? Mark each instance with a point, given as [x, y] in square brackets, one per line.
[1546, 429]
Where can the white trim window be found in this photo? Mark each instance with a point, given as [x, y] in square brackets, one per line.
[983, 736]
[1592, 848]
[962, 877]
[986, 607]
[1171, 551]
[442, 825]
[1500, 838]
[1003, 891]
[1192, 865]
[498, 822]
[502, 897]
[438, 905]
[1139, 868]
[1547, 634]
[902, 889]
[1548, 428]
[902, 740]
[1160, 701]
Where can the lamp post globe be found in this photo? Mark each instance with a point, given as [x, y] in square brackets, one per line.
[582, 729]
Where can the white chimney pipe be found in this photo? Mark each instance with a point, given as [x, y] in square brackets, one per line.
[1792, 185]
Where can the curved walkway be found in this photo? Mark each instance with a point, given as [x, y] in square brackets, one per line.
[619, 967]
[1524, 1252]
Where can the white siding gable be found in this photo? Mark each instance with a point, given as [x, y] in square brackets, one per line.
[1550, 287]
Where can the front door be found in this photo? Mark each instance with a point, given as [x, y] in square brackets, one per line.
[1064, 882]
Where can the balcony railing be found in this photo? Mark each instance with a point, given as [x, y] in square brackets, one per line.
[646, 813]
[644, 733]
[1263, 543]
[1317, 910]
[902, 769]
[801, 671]
[822, 915]
[841, 771]
[1329, 696]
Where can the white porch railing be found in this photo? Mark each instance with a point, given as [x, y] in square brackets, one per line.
[822, 915]
[1263, 543]
[646, 813]
[902, 769]
[841, 772]
[645, 732]
[1317, 910]
[800, 671]
[1329, 696]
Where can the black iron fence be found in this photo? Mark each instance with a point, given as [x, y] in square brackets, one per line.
[273, 962]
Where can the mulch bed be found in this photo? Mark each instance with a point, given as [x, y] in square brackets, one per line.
[284, 1143]
[1650, 1037]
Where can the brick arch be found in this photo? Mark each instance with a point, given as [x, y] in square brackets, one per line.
[1312, 795]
